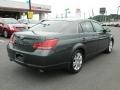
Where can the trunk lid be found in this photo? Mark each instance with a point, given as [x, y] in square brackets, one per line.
[24, 40]
[19, 27]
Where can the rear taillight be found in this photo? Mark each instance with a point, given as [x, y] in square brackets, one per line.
[11, 39]
[48, 44]
[12, 28]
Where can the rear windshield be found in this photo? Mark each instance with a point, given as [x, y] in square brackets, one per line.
[10, 21]
[33, 21]
[56, 26]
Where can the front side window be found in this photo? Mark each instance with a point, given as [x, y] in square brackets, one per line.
[97, 27]
[87, 27]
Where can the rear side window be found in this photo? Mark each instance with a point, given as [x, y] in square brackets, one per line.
[56, 26]
[87, 27]
[97, 27]
[10, 20]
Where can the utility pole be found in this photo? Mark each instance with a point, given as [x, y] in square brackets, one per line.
[106, 16]
[66, 12]
[92, 13]
[117, 13]
[29, 5]
[29, 13]
[80, 13]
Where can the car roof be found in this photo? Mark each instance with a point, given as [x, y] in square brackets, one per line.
[70, 19]
[7, 18]
[2, 19]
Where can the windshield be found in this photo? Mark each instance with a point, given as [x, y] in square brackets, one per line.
[55, 26]
[10, 21]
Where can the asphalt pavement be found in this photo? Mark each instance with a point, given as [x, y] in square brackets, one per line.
[99, 73]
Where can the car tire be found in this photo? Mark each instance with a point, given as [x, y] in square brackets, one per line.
[5, 34]
[76, 62]
[110, 47]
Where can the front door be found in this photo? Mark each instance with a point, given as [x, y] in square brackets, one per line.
[91, 38]
[103, 37]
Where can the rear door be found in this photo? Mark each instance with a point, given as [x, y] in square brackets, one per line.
[90, 37]
[103, 37]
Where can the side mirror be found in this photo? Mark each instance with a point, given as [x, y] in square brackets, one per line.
[106, 30]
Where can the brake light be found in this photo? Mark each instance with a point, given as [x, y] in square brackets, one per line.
[12, 28]
[11, 39]
[48, 44]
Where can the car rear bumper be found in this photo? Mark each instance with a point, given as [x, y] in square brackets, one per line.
[57, 66]
[36, 60]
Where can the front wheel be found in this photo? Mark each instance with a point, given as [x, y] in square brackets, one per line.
[77, 61]
[110, 47]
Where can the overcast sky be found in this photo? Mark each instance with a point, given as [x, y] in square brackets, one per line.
[86, 6]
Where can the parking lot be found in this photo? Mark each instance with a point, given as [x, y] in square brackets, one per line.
[99, 73]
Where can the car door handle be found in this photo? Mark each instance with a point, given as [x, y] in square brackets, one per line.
[102, 37]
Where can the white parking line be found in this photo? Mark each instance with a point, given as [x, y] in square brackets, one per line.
[2, 41]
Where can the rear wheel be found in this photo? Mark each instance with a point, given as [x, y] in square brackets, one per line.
[77, 61]
[5, 34]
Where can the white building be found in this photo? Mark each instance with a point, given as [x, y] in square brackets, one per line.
[17, 9]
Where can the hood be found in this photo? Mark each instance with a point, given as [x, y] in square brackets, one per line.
[18, 25]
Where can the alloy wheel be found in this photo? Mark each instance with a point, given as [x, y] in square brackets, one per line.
[77, 61]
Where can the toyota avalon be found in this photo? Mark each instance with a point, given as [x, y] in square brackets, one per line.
[59, 44]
